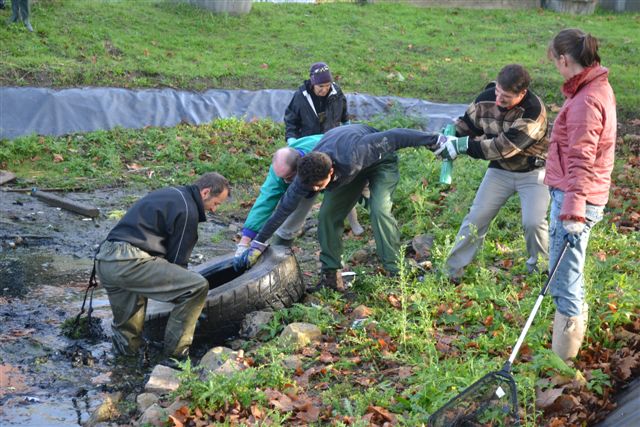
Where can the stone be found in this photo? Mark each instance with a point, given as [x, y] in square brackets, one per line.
[145, 400]
[253, 322]
[301, 334]
[163, 380]
[155, 415]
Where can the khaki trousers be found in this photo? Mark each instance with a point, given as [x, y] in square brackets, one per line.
[131, 276]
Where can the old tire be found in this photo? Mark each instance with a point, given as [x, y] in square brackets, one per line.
[275, 282]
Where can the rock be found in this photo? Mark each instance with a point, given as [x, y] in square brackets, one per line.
[155, 415]
[145, 400]
[422, 245]
[292, 362]
[253, 322]
[177, 404]
[361, 312]
[106, 411]
[6, 176]
[300, 334]
[221, 360]
[361, 256]
[163, 380]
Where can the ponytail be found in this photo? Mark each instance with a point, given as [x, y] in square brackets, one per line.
[581, 46]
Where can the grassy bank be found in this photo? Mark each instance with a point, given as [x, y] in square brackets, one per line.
[443, 55]
[423, 340]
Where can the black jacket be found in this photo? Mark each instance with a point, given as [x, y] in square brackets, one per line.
[352, 148]
[301, 118]
[163, 223]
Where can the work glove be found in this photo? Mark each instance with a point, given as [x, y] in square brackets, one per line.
[449, 147]
[574, 229]
[291, 141]
[249, 257]
[241, 248]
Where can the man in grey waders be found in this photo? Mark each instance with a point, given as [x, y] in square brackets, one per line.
[146, 255]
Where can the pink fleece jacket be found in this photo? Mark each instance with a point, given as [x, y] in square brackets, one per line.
[581, 150]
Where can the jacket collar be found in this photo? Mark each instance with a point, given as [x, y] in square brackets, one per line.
[575, 83]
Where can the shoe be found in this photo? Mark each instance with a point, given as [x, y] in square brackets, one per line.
[279, 241]
[331, 279]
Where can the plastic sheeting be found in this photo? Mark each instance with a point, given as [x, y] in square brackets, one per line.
[25, 110]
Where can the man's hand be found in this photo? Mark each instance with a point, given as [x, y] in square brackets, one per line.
[448, 147]
[249, 257]
[573, 227]
[241, 248]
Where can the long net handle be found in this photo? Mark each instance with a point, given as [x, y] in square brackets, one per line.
[536, 306]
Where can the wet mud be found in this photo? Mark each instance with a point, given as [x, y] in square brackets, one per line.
[46, 378]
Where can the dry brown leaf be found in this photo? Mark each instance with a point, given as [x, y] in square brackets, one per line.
[57, 158]
[545, 398]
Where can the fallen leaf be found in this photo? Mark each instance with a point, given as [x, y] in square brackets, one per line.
[545, 398]
[57, 158]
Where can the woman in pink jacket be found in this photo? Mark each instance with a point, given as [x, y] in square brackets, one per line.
[578, 173]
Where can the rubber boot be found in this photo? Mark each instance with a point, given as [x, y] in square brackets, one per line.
[24, 14]
[352, 217]
[279, 241]
[15, 11]
[568, 333]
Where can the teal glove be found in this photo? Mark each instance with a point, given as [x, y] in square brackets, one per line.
[291, 141]
[450, 146]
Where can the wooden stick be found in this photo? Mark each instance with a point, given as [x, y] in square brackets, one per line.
[67, 204]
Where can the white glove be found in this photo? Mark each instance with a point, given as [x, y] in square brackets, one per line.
[573, 227]
[449, 147]
[241, 248]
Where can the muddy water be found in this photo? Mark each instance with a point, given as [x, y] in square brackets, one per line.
[47, 379]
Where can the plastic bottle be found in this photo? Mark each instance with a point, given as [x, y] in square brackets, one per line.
[447, 165]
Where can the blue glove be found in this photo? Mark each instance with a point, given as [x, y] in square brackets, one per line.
[249, 257]
[291, 140]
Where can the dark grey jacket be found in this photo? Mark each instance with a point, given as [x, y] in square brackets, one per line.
[352, 148]
[301, 118]
[163, 223]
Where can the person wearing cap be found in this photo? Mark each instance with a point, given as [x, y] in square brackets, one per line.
[318, 106]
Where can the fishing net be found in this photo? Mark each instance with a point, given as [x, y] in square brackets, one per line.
[491, 401]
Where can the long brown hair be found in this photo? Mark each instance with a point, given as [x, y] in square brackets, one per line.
[581, 46]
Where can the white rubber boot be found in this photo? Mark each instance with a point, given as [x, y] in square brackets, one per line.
[356, 228]
[568, 333]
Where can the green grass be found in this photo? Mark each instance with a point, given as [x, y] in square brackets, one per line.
[366, 46]
[443, 55]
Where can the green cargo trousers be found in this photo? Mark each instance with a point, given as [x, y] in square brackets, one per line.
[383, 178]
[131, 276]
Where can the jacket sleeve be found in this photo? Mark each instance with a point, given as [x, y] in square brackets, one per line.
[380, 143]
[292, 120]
[584, 126]
[270, 193]
[287, 205]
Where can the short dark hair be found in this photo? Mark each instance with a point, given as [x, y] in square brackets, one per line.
[514, 78]
[213, 181]
[314, 167]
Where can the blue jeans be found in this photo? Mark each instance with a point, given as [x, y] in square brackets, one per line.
[567, 287]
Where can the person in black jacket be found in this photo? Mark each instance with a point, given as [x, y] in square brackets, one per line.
[317, 106]
[146, 255]
[345, 159]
